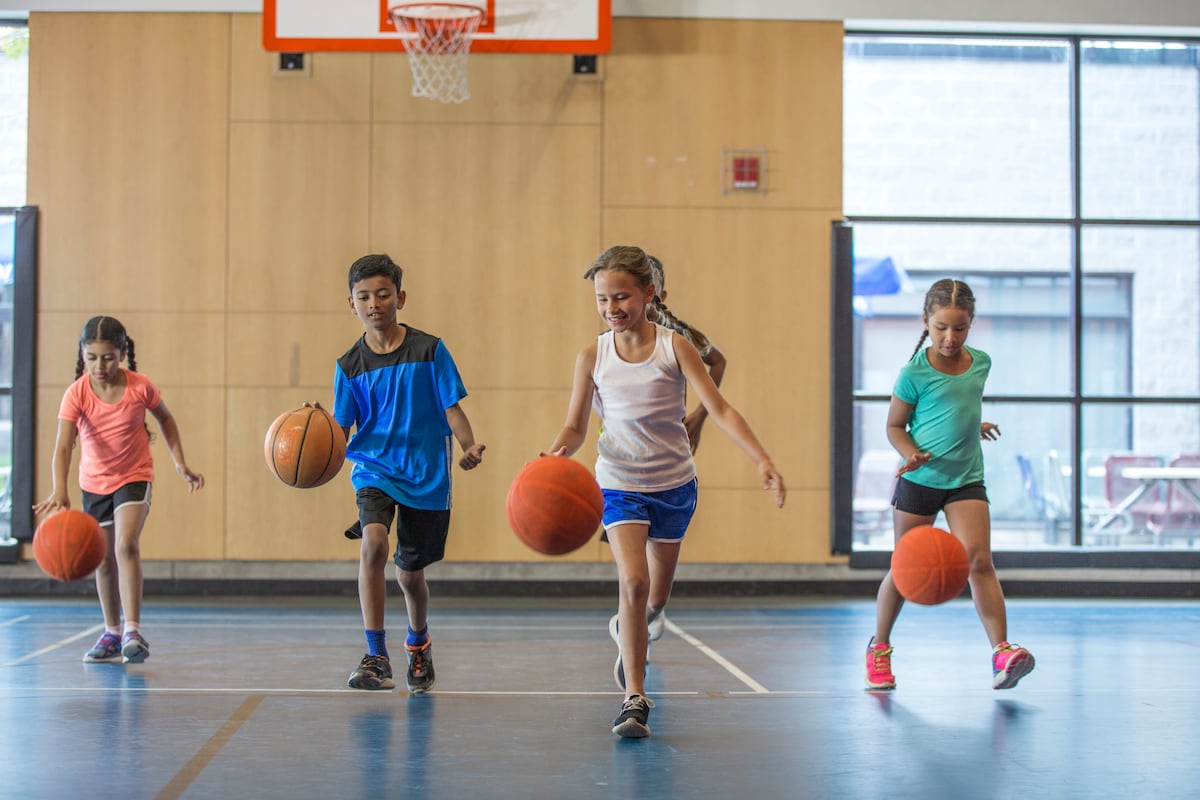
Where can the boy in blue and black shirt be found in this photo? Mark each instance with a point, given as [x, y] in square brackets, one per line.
[399, 389]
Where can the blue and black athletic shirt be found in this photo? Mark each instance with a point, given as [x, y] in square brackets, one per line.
[396, 402]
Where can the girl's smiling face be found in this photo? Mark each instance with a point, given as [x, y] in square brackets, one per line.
[620, 301]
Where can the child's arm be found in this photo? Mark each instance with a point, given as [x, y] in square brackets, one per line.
[64, 444]
[714, 359]
[574, 431]
[727, 417]
[170, 432]
[460, 426]
[899, 413]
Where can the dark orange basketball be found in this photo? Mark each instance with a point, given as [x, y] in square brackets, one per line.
[554, 505]
[305, 447]
[929, 565]
[68, 545]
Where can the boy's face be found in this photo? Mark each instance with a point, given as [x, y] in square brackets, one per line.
[375, 302]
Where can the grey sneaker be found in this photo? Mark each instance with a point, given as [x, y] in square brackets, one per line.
[134, 649]
[374, 672]
[420, 676]
[633, 721]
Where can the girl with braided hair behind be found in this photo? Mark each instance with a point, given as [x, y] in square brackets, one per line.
[713, 358]
[935, 423]
[105, 409]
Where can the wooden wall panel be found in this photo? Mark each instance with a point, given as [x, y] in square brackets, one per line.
[294, 349]
[335, 88]
[128, 121]
[495, 226]
[216, 207]
[298, 213]
[677, 91]
[505, 89]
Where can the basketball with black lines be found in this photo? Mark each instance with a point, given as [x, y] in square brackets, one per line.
[305, 447]
[68, 545]
[554, 505]
[930, 565]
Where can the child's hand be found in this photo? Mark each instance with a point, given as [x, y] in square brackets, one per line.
[52, 503]
[472, 457]
[773, 481]
[562, 451]
[917, 459]
[313, 404]
[989, 431]
[194, 479]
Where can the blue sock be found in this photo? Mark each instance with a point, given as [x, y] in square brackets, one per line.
[377, 643]
[417, 638]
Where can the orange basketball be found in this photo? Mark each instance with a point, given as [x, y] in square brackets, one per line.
[305, 447]
[68, 545]
[554, 505]
[929, 565]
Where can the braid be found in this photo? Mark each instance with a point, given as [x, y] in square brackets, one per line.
[129, 356]
[78, 364]
[921, 341]
[665, 317]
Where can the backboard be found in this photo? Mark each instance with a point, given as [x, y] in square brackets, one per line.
[509, 26]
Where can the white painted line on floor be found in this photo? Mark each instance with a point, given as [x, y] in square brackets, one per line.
[717, 657]
[28, 690]
[83, 634]
[13, 621]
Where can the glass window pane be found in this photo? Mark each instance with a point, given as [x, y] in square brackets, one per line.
[1141, 331]
[1142, 487]
[14, 112]
[1021, 277]
[945, 126]
[1027, 473]
[1140, 124]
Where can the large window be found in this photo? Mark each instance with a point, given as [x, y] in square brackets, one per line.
[1060, 177]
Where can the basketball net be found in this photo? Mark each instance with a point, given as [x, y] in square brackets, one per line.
[437, 38]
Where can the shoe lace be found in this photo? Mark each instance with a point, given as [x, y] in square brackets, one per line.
[881, 659]
[418, 660]
[637, 701]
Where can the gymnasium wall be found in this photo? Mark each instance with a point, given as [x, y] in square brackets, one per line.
[214, 206]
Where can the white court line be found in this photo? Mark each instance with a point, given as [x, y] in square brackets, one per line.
[23, 690]
[717, 657]
[81, 635]
[13, 621]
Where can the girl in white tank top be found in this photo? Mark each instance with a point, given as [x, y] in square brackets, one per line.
[635, 376]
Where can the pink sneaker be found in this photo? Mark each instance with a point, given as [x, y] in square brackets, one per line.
[1010, 663]
[879, 666]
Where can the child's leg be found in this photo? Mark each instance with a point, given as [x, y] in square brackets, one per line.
[889, 601]
[107, 589]
[970, 522]
[416, 597]
[372, 584]
[633, 576]
[129, 520]
[662, 557]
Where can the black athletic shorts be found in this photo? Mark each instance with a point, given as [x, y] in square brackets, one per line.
[913, 498]
[104, 506]
[420, 534]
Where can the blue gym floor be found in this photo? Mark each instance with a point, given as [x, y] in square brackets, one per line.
[755, 699]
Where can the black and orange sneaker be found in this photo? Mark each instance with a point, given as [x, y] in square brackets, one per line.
[420, 676]
[374, 672]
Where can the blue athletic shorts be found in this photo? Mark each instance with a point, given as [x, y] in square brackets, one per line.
[667, 513]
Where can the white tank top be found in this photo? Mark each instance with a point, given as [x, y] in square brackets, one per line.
[643, 444]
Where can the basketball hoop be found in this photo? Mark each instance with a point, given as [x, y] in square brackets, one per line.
[437, 37]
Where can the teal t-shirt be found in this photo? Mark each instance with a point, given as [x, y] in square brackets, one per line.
[947, 411]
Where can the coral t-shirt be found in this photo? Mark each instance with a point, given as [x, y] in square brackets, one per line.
[114, 445]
